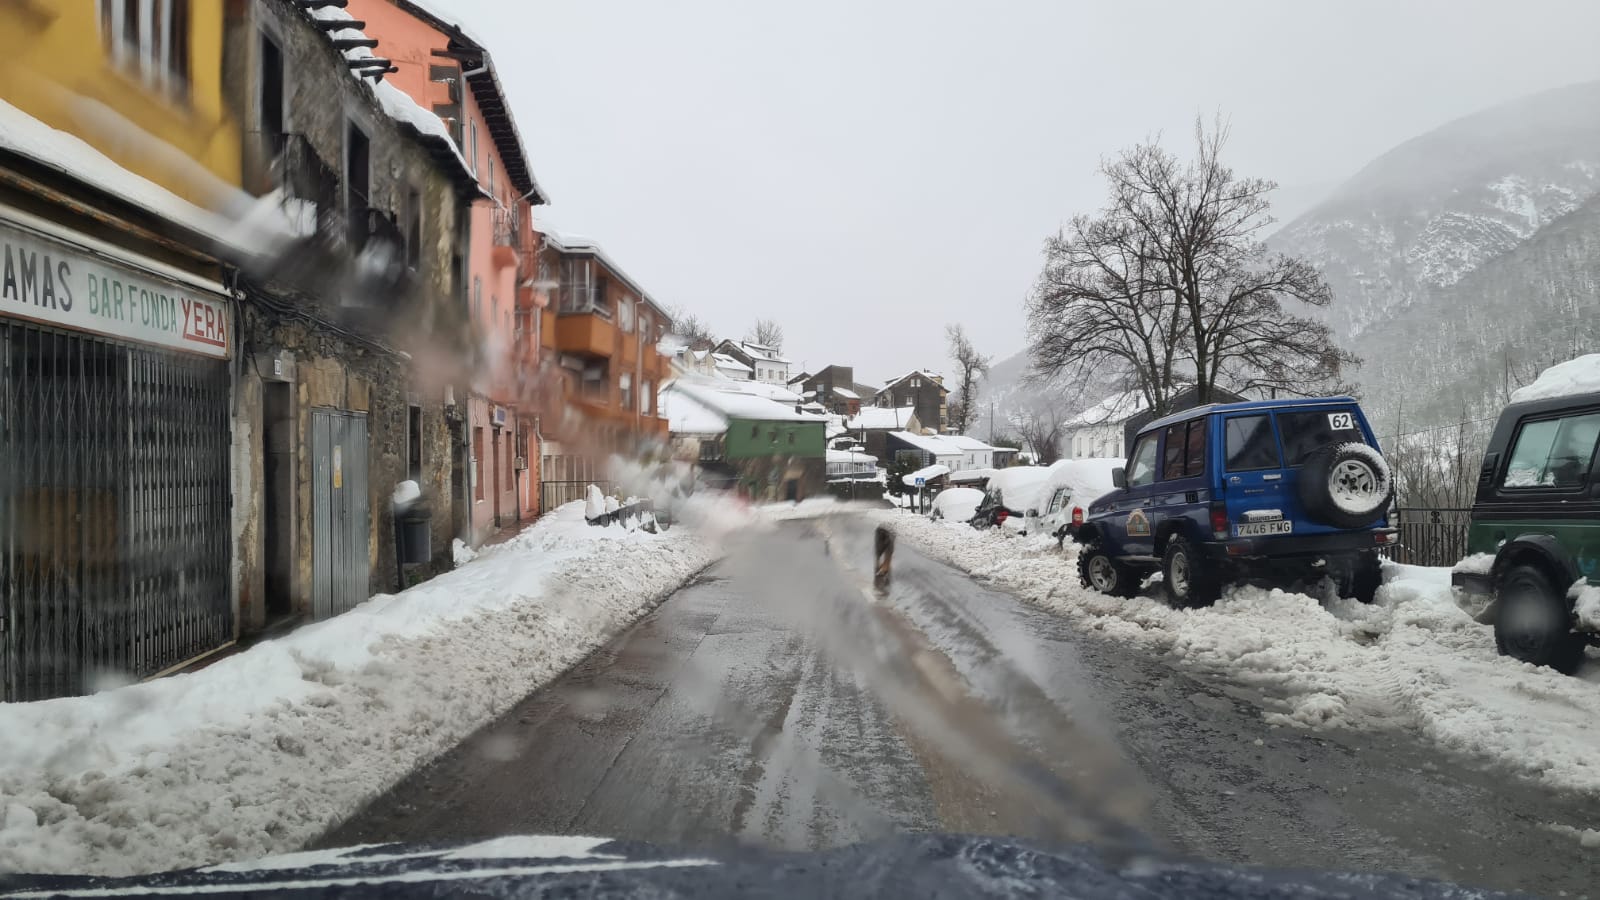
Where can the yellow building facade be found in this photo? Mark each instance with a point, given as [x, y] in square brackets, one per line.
[138, 80]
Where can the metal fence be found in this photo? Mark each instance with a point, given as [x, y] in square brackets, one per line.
[114, 522]
[554, 493]
[1431, 536]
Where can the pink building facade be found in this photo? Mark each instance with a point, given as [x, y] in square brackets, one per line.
[446, 70]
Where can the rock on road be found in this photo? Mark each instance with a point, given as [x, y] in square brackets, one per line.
[778, 701]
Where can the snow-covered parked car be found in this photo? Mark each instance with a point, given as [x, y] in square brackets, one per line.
[1009, 495]
[957, 504]
[1073, 484]
[1535, 532]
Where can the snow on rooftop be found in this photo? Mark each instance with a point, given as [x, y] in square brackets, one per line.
[926, 473]
[261, 229]
[936, 444]
[1575, 376]
[847, 393]
[728, 402]
[396, 104]
[967, 443]
[687, 415]
[1116, 408]
[880, 418]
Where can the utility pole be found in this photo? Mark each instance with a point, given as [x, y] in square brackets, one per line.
[991, 423]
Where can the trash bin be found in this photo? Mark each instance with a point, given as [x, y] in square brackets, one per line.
[416, 540]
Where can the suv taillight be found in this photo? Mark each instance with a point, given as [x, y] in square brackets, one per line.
[1219, 521]
[1077, 515]
[1002, 514]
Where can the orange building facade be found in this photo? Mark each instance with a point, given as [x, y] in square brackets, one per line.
[447, 71]
[599, 334]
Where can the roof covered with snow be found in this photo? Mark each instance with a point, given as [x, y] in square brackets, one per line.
[967, 443]
[1575, 376]
[934, 377]
[938, 445]
[396, 104]
[583, 245]
[926, 473]
[261, 225]
[727, 403]
[728, 363]
[1112, 410]
[838, 456]
[762, 352]
[847, 393]
[881, 418]
[486, 88]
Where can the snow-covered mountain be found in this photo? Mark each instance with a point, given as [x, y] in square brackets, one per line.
[1465, 255]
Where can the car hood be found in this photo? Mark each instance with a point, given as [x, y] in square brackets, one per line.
[955, 866]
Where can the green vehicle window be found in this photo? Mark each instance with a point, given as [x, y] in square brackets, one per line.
[1555, 453]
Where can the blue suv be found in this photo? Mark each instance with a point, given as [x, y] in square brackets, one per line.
[1272, 490]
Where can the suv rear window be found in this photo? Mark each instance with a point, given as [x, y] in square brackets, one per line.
[1554, 453]
[1250, 444]
[1304, 433]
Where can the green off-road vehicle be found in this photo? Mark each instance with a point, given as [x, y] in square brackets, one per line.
[1537, 515]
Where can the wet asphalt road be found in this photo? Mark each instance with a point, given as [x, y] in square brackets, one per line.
[778, 701]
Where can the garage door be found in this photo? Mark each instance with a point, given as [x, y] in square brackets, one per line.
[114, 510]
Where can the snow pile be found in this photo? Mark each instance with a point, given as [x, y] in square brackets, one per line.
[460, 553]
[594, 503]
[1412, 659]
[956, 504]
[405, 494]
[1586, 601]
[1476, 564]
[1575, 376]
[263, 751]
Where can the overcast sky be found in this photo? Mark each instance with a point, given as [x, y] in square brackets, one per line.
[866, 171]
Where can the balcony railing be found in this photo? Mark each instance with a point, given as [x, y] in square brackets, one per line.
[507, 228]
[301, 174]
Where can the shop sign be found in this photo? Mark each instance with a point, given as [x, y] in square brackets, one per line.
[54, 283]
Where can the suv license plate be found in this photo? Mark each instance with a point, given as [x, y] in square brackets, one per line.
[1257, 529]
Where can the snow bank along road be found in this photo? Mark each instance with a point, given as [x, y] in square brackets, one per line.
[262, 752]
[774, 701]
[1413, 659]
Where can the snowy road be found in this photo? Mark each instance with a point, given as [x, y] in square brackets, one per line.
[774, 702]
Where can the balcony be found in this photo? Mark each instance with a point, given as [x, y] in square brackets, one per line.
[585, 334]
[547, 329]
[630, 350]
[507, 236]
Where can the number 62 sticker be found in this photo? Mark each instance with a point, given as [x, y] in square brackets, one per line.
[1341, 421]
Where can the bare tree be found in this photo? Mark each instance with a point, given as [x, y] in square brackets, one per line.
[767, 333]
[694, 331]
[1172, 281]
[1039, 423]
[970, 366]
[1098, 307]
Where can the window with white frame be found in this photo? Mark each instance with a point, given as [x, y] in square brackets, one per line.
[626, 384]
[149, 38]
[625, 315]
[646, 397]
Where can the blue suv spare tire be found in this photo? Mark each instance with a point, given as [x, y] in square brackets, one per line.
[1346, 485]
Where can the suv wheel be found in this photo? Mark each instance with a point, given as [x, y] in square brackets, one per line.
[1096, 569]
[1190, 579]
[1345, 485]
[1534, 622]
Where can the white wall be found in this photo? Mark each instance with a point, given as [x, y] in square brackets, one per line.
[1095, 440]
